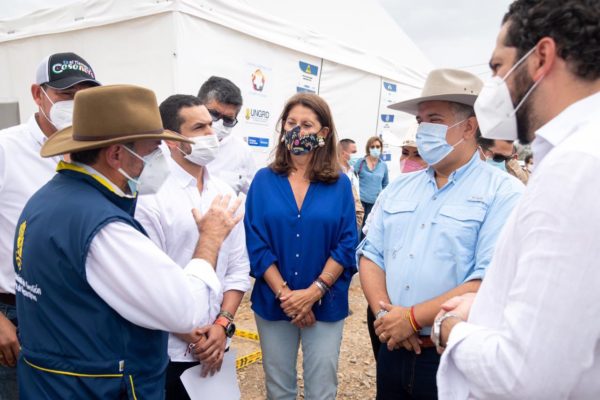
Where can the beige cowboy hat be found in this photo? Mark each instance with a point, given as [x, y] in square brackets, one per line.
[444, 85]
[106, 115]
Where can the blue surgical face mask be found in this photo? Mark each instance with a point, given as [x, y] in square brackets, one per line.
[354, 159]
[374, 152]
[431, 141]
[498, 164]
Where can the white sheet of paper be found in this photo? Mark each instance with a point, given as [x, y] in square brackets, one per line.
[223, 385]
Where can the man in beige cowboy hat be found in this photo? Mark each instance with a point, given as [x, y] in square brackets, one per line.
[95, 293]
[433, 236]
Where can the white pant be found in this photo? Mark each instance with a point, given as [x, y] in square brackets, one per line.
[279, 341]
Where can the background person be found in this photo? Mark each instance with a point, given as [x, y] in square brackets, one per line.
[348, 156]
[234, 163]
[166, 218]
[372, 174]
[502, 154]
[22, 172]
[302, 272]
[410, 160]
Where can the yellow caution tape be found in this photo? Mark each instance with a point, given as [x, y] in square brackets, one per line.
[246, 334]
[251, 358]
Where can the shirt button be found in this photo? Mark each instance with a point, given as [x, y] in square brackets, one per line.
[297, 235]
[411, 255]
[295, 273]
[434, 197]
[422, 226]
[298, 215]
[297, 255]
[407, 287]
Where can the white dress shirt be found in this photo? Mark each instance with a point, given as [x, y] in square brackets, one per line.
[234, 164]
[139, 281]
[534, 328]
[353, 178]
[22, 172]
[167, 218]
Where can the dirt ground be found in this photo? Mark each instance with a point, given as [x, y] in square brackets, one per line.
[356, 372]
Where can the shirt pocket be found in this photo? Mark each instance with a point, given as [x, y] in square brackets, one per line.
[457, 229]
[398, 216]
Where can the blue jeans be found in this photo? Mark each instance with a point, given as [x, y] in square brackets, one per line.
[8, 375]
[279, 341]
[403, 374]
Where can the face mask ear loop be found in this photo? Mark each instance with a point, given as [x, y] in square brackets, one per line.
[511, 70]
[134, 153]
[526, 95]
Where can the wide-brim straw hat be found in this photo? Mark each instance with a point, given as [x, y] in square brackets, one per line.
[444, 85]
[107, 115]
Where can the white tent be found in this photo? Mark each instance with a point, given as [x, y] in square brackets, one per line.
[349, 51]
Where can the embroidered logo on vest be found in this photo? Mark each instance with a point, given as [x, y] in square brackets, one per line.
[20, 239]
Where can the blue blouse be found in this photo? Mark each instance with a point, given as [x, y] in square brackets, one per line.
[300, 242]
[371, 182]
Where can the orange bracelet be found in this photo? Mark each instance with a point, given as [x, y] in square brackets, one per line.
[411, 321]
[414, 320]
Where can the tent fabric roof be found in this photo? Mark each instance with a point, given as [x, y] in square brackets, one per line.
[356, 33]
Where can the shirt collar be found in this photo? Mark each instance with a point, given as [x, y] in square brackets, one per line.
[86, 169]
[456, 175]
[34, 130]
[183, 178]
[555, 131]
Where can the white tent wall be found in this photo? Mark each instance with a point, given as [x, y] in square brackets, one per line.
[137, 51]
[172, 46]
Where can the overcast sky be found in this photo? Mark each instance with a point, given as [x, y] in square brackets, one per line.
[459, 33]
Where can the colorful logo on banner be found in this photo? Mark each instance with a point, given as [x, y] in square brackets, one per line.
[258, 80]
[390, 87]
[308, 68]
[256, 141]
[255, 115]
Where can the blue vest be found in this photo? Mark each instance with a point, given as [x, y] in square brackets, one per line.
[74, 345]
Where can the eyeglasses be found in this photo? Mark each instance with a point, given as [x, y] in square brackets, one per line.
[501, 158]
[227, 121]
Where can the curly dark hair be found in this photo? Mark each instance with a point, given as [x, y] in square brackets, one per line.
[323, 166]
[573, 24]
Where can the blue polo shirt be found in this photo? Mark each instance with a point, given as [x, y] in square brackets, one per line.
[429, 240]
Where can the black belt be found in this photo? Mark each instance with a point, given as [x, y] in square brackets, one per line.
[8, 298]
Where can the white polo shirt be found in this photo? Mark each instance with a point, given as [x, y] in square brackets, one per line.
[234, 164]
[22, 172]
[167, 218]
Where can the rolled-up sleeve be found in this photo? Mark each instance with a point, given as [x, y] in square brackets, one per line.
[343, 252]
[259, 252]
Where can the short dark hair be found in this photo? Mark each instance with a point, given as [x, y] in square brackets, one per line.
[572, 24]
[87, 157]
[169, 110]
[324, 165]
[222, 90]
[344, 143]
[528, 158]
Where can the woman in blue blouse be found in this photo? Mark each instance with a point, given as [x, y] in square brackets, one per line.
[372, 174]
[301, 238]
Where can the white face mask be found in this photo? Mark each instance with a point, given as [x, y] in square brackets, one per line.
[154, 174]
[220, 130]
[496, 114]
[61, 112]
[204, 150]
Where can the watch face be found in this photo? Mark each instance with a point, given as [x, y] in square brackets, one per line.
[230, 330]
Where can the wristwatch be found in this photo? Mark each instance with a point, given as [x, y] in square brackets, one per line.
[436, 332]
[380, 313]
[228, 325]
